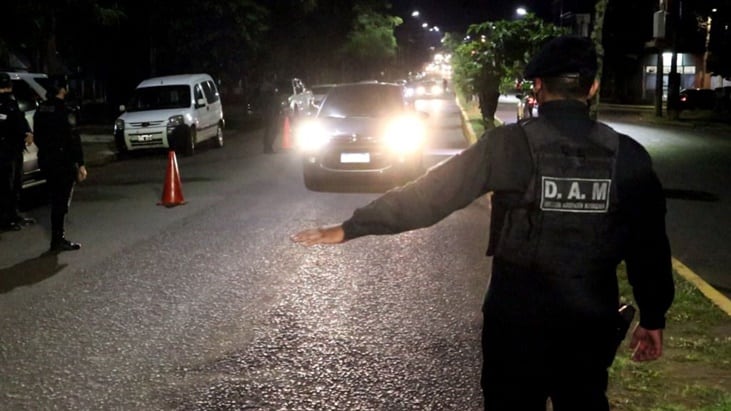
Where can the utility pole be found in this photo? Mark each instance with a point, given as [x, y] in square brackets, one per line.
[659, 34]
[676, 7]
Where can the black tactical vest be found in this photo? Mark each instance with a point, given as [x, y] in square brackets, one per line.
[566, 224]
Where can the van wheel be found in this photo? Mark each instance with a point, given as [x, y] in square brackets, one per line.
[219, 136]
[189, 147]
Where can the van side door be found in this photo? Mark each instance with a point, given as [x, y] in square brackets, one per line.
[201, 109]
[214, 112]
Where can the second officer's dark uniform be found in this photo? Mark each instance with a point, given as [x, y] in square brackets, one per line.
[572, 198]
[60, 155]
[13, 131]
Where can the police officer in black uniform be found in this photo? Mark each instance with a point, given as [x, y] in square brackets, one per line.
[572, 198]
[60, 157]
[15, 135]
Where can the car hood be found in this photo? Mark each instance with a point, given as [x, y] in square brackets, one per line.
[150, 115]
[355, 126]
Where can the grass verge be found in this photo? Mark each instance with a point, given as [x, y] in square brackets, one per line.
[694, 373]
[695, 370]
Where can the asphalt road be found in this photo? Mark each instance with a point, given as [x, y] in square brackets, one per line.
[210, 306]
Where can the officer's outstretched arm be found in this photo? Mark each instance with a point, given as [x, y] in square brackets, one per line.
[322, 235]
[646, 345]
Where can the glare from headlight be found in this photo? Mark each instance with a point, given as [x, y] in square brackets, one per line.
[405, 135]
[436, 89]
[310, 136]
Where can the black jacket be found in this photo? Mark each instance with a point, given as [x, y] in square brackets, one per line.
[13, 127]
[500, 162]
[59, 145]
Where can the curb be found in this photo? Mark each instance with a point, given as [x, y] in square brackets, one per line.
[708, 290]
[711, 293]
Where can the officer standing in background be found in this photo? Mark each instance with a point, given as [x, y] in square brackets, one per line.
[572, 198]
[60, 157]
[15, 135]
[272, 109]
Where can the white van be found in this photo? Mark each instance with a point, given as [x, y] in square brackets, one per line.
[175, 112]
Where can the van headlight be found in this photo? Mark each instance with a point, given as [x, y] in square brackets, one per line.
[118, 125]
[405, 135]
[311, 136]
[174, 122]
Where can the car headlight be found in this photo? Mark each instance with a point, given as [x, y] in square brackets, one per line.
[174, 122]
[405, 135]
[310, 136]
[119, 125]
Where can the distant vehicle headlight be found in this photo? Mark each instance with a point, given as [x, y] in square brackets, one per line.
[409, 92]
[405, 135]
[310, 136]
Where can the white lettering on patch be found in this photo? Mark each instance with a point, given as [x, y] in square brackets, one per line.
[575, 195]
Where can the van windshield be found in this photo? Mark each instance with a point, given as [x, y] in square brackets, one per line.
[160, 98]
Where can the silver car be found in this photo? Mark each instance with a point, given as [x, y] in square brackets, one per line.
[362, 130]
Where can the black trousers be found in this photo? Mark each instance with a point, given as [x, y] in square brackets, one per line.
[524, 365]
[11, 174]
[271, 129]
[60, 180]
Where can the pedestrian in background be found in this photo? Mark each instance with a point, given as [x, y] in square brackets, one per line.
[60, 157]
[15, 136]
[572, 198]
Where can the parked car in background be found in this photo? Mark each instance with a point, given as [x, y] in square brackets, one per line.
[298, 99]
[697, 99]
[176, 112]
[362, 130]
[29, 90]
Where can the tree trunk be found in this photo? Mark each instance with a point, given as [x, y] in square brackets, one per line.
[596, 35]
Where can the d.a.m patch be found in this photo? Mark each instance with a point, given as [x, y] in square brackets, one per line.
[575, 195]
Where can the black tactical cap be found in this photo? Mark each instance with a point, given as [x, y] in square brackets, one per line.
[564, 56]
[5, 81]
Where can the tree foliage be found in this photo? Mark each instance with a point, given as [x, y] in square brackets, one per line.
[500, 50]
[371, 42]
[494, 55]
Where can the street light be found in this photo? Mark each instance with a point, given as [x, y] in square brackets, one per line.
[521, 11]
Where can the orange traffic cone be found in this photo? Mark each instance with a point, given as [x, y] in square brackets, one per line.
[172, 193]
[286, 134]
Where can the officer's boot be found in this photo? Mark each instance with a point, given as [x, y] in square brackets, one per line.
[60, 243]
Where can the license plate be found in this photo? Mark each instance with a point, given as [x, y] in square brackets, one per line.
[355, 157]
[144, 137]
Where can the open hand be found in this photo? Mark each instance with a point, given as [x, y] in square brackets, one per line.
[321, 235]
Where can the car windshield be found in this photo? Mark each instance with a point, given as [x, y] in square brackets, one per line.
[160, 98]
[363, 101]
[320, 89]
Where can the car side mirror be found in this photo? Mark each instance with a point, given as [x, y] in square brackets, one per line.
[201, 102]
